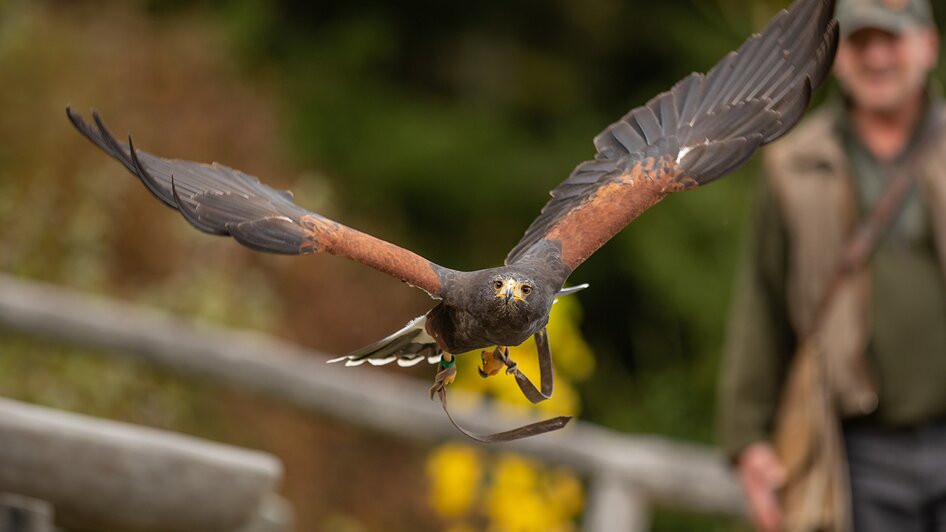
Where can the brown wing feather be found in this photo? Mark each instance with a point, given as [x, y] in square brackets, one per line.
[224, 201]
[612, 206]
[701, 129]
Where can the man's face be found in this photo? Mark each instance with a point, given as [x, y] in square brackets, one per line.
[882, 71]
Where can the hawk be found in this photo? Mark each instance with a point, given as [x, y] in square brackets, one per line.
[702, 128]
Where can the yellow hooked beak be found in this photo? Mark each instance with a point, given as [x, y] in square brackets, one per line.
[512, 289]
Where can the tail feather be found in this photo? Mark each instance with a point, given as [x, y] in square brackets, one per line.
[408, 346]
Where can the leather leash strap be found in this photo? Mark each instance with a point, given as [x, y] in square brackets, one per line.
[532, 429]
[525, 385]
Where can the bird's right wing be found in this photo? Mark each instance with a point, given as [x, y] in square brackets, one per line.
[701, 129]
[224, 201]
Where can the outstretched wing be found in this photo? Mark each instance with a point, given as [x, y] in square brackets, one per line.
[223, 201]
[705, 126]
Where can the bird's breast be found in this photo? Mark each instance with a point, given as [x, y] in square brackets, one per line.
[459, 330]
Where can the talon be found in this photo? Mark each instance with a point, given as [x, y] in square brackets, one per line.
[491, 364]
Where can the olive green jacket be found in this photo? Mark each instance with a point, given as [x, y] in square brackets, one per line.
[885, 334]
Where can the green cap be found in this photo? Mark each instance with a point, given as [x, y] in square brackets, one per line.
[894, 16]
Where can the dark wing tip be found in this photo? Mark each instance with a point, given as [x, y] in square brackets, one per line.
[106, 135]
[190, 213]
[76, 120]
[82, 126]
[149, 181]
[186, 186]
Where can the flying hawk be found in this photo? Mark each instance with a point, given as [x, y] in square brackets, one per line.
[704, 127]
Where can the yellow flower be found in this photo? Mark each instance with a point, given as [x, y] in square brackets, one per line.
[515, 500]
[519, 512]
[454, 471]
[515, 473]
[520, 494]
[565, 493]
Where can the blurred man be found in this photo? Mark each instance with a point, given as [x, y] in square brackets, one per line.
[821, 180]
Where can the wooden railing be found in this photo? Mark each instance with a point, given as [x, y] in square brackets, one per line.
[95, 474]
[628, 473]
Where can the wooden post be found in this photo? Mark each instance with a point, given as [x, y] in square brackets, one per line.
[614, 505]
[24, 514]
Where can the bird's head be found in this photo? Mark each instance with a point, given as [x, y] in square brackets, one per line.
[511, 290]
[514, 294]
[507, 298]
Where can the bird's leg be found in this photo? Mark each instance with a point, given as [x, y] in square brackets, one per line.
[494, 361]
[546, 378]
[448, 371]
[445, 375]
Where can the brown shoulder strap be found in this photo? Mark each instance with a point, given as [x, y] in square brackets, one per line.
[861, 244]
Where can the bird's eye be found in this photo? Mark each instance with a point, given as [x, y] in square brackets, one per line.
[497, 284]
[526, 289]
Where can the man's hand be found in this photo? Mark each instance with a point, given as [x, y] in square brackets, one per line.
[762, 474]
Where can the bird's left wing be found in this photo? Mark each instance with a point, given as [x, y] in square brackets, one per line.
[704, 127]
[224, 201]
